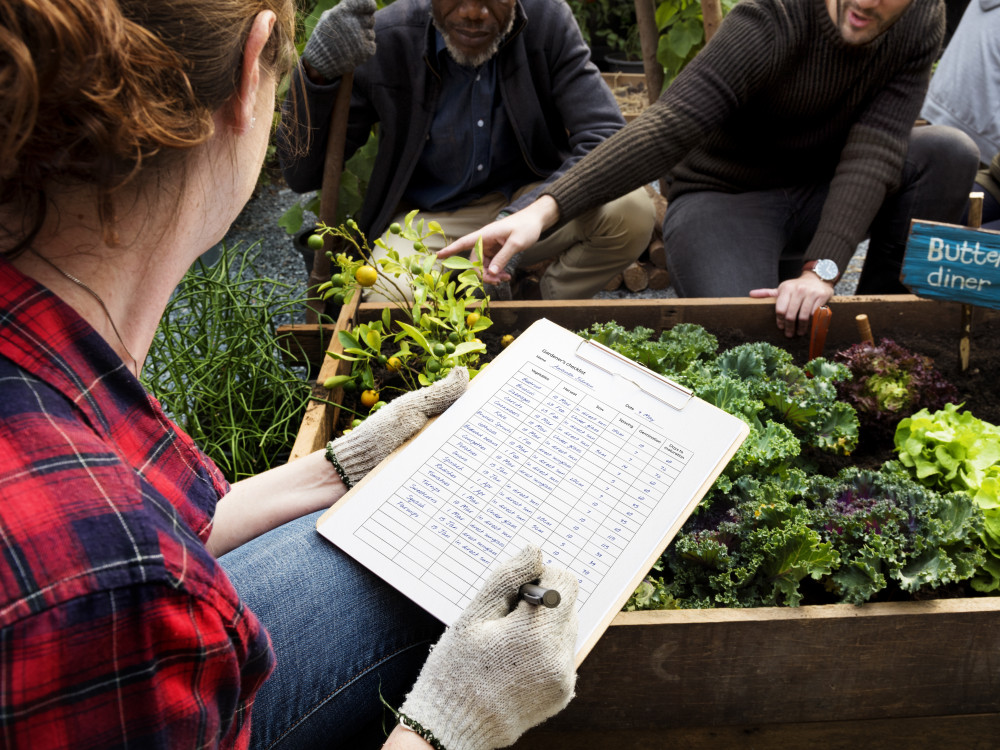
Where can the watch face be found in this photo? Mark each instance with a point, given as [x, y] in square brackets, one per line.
[826, 269]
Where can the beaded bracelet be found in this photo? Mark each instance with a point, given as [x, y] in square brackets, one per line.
[332, 458]
[413, 726]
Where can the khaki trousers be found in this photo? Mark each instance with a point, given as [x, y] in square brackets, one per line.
[587, 252]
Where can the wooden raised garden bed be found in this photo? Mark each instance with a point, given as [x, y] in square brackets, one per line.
[889, 675]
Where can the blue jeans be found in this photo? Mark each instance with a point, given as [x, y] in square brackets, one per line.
[342, 639]
[724, 245]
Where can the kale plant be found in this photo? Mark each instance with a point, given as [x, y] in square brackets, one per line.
[860, 535]
[751, 547]
[889, 530]
[786, 406]
[766, 530]
[671, 353]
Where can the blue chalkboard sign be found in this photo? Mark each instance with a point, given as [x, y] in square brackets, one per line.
[949, 262]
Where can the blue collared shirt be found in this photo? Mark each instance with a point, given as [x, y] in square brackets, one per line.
[471, 149]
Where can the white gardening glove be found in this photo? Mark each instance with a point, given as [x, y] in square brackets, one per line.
[503, 667]
[361, 450]
[344, 38]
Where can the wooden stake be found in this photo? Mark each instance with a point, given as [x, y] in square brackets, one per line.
[864, 328]
[965, 335]
[333, 166]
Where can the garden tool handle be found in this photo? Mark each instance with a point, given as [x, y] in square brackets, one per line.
[864, 328]
[817, 333]
[333, 166]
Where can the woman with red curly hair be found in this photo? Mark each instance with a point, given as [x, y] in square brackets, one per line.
[143, 601]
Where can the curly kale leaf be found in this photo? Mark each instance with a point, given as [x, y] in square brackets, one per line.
[860, 533]
[751, 548]
[768, 449]
[885, 526]
[675, 350]
[651, 594]
[802, 399]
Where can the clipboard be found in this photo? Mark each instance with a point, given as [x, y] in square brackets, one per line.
[560, 442]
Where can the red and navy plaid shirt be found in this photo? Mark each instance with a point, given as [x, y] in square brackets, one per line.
[117, 627]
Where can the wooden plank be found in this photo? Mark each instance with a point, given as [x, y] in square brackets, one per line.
[967, 732]
[888, 315]
[320, 418]
[713, 668]
[305, 343]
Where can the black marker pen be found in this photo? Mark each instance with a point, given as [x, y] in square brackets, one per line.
[535, 594]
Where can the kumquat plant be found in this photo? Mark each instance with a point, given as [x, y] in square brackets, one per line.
[420, 336]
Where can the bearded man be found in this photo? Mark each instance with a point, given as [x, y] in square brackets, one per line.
[480, 104]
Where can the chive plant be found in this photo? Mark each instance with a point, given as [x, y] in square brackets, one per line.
[218, 369]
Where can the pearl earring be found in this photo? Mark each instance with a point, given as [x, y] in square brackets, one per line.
[253, 121]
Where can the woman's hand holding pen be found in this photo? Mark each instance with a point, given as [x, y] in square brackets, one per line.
[505, 238]
[504, 666]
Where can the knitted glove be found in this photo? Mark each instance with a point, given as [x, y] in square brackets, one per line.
[503, 667]
[343, 38]
[360, 450]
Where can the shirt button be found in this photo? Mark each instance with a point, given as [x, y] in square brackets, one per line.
[480, 123]
[479, 167]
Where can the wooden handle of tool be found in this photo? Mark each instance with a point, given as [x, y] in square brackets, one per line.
[817, 333]
[333, 166]
[864, 328]
[965, 334]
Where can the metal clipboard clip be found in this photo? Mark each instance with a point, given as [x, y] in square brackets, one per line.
[664, 390]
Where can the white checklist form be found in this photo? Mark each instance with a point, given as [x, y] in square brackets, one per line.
[559, 442]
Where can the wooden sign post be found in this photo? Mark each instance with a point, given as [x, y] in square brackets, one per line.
[956, 263]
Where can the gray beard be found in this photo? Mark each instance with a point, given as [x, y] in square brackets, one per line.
[474, 61]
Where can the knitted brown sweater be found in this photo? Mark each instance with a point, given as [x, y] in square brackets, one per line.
[777, 98]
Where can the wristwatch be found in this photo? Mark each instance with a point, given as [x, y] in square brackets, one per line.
[825, 268]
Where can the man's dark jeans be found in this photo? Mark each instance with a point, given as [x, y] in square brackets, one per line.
[724, 245]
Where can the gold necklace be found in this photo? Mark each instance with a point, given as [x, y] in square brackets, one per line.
[95, 295]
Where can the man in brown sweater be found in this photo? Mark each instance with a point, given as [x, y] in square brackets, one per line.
[788, 138]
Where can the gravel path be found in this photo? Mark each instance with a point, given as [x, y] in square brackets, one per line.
[278, 259]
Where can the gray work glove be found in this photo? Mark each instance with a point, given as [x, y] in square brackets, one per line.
[361, 450]
[496, 673]
[343, 38]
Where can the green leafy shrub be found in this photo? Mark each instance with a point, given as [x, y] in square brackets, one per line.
[682, 33]
[787, 407]
[441, 308]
